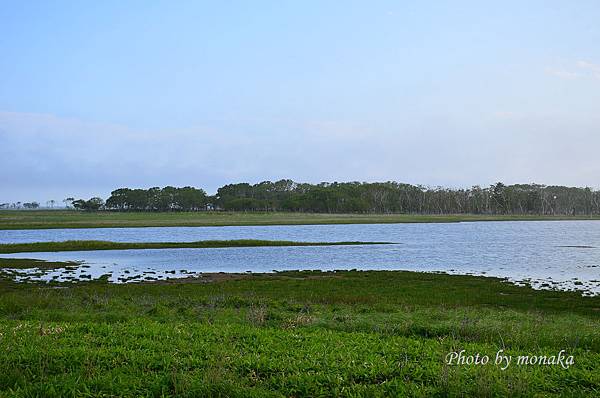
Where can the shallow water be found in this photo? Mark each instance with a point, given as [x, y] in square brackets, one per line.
[557, 254]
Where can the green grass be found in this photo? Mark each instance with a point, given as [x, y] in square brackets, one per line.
[86, 245]
[24, 263]
[39, 219]
[293, 334]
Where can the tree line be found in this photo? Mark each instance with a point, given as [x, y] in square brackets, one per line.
[356, 197]
[157, 199]
[33, 205]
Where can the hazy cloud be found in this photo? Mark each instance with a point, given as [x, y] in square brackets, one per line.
[562, 73]
[49, 157]
[591, 68]
[579, 69]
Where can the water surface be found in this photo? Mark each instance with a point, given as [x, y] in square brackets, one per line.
[550, 254]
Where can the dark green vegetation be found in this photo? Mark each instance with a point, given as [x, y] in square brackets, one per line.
[351, 197]
[33, 263]
[294, 334]
[93, 204]
[39, 219]
[394, 197]
[356, 197]
[157, 199]
[79, 245]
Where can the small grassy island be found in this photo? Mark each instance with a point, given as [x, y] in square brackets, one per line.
[27, 263]
[294, 334]
[88, 245]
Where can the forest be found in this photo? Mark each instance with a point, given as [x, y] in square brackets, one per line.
[356, 197]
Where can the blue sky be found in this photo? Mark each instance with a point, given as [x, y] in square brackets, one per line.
[99, 95]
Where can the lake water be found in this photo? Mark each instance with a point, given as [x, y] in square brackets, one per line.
[549, 254]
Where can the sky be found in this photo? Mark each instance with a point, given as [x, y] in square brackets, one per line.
[100, 95]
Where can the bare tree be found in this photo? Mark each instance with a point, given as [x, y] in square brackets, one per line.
[68, 202]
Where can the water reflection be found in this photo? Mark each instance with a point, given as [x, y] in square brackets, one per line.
[556, 254]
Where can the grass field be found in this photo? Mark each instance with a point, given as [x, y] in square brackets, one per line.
[37, 219]
[86, 245]
[294, 334]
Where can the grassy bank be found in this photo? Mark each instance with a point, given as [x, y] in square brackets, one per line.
[294, 334]
[87, 245]
[75, 219]
[25, 263]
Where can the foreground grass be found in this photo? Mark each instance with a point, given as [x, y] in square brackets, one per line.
[39, 219]
[87, 245]
[294, 334]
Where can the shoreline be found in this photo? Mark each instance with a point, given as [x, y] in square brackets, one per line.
[199, 277]
[71, 219]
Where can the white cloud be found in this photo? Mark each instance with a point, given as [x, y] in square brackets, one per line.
[563, 73]
[576, 70]
[590, 68]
